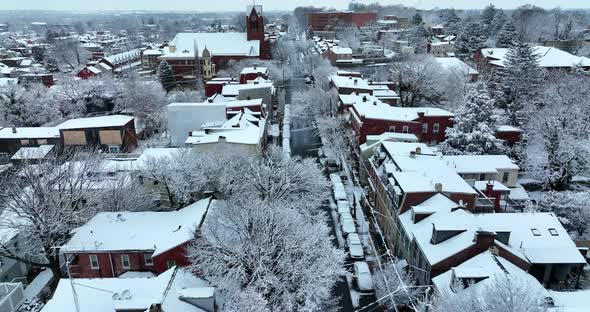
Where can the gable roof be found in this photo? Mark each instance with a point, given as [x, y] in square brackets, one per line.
[549, 57]
[141, 231]
[220, 44]
[479, 163]
[30, 133]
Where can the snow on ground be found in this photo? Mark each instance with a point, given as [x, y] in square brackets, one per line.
[334, 213]
[36, 286]
[354, 295]
[571, 301]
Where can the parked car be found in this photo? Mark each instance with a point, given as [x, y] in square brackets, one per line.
[343, 206]
[335, 178]
[339, 192]
[363, 278]
[355, 247]
[347, 224]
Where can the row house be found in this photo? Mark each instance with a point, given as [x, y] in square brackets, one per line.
[320, 21]
[215, 85]
[122, 62]
[114, 133]
[251, 73]
[113, 243]
[12, 139]
[439, 234]
[350, 85]
[375, 117]
[402, 175]
[335, 54]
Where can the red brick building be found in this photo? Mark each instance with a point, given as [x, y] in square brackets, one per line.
[321, 21]
[510, 135]
[375, 117]
[113, 243]
[251, 73]
[215, 50]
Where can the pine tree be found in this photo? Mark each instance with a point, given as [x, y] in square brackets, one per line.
[474, 129]
[453, 23]
[507, 35]
[516, 85]
[498, 22]
[488, 14]
[471, 39]
[166, 75]
[417, 19]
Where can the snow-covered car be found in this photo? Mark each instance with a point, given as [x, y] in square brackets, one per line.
[339, 192]
[363, 278]
[347, 224]
[343, 206]
[335, 178]
[355, 247]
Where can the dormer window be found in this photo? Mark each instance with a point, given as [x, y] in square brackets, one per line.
[553, 232]
[536, 232]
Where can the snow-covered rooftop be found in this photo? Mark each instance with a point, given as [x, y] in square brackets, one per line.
[149, 231]
[30, 133]
[548, 57]
[254, 70]
[96, 122]
[488, 267]
[381, 111]
[97, 294]
[229, 43]
[506, 128]
[455, 65]
[479, 163]
[233, 90]
[534, 237]
[349, 82]
[28, 152]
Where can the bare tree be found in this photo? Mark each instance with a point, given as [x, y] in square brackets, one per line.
[44, 203]
[268, 249]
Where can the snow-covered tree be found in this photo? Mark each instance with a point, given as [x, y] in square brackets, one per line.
[472, 38]
[507, 36]
[268, 249]
[572, 209]
[487, 16]
[313, 102]
[517, 84]
[418, 81]
[452, 22]
[126, 193]
[166, 76]
[187, 96]
[145, 100]
[506, 294]
[27, 108]
[474, 129]
[561, 126]
[338, 137]
[45, 203]
[70, 52]
[394, 283]
[417, 19]
[498, 21]
[349, 38]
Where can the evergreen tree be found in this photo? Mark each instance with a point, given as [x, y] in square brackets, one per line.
[474, 129]
[417, 19]
[471, 39]
[507, 35]
[452, 23]
[418, 38]
[498, 22]
[166, 75]
[517, 84]
[51, 64]
[488, 14]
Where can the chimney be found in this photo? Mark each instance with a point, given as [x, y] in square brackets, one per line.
[375, 103]
[156, 307]
[418, 150]
[13, 129]
[420, 115]
[356, 82]
[484, 239]
[438, 187]
[489, 188]
[412, 154]
[364, 98]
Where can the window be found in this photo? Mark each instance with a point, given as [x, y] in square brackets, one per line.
[113, 149]
[170, 264]
[42, 141]
[505, 177]
[553, 232]
[405, 129]
[125, 261]
[93, 262]
[482, 177]
[148, 259]
[536, 232]
[391, 128]
[24, 142]
[424, 128]
[435, 128]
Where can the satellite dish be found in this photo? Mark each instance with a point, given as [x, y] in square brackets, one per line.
[116, 296]
[126, 294]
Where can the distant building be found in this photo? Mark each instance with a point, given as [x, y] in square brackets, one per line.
[214, 50]
[3, 28]
[549, 58]
[149, 59]
[251, 73]
[336, 54]
[320, 21]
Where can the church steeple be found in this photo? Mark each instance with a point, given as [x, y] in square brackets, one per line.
[254, 22]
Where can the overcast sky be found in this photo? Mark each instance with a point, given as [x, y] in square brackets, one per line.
[237, 5]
